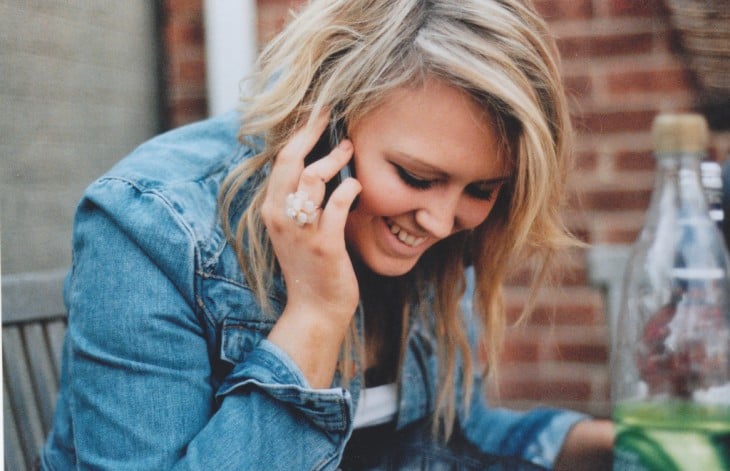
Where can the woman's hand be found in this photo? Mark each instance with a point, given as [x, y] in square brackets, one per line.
[322, 290]
[588, 446]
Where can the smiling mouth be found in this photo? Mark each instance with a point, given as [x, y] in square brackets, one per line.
[404, 236]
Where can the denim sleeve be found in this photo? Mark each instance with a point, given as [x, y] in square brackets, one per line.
[536, 435]
[138, 392]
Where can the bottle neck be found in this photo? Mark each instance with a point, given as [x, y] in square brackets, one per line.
[678, 187]
[671, 163]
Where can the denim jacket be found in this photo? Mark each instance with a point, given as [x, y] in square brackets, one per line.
[166, 364]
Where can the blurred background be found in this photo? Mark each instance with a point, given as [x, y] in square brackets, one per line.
[83, 82]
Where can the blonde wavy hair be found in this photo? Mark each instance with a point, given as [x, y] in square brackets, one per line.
[348, 55]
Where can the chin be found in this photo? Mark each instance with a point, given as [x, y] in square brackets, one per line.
[390, 268]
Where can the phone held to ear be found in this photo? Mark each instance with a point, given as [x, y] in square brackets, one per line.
[329, 139]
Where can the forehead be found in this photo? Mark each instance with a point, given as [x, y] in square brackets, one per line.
[438, 124]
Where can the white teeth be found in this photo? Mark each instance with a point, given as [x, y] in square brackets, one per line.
[405, 237]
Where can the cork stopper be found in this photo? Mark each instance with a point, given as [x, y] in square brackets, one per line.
[674, 133]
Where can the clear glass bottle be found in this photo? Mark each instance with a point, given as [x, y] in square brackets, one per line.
[671, 355]
[711, 173]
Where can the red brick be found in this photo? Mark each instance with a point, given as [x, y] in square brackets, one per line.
[583, 352]
[185, 111]
[520, 350]
[616, 199]
[565, 276]
[641, 8]
[184, 33]
[185, 94]
[605, 121]
[605, 45]
[579, 313]
[648, 81]
[545, 390]
[182, 91]
[180, 9]
[560, 306]
[191, 71]
[635, 160]
[553, 10]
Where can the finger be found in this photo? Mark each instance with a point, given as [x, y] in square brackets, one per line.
[338, 207]
[315, 176]
[287, 168]
[328, 166]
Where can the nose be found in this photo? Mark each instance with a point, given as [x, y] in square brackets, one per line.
[437, 215]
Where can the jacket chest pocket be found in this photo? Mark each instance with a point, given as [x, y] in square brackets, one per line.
[239, 337]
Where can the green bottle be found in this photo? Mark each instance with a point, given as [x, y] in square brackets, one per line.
[670, 371]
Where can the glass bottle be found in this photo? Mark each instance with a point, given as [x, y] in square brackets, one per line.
[671, 355]
[725, 173]
[711, 173]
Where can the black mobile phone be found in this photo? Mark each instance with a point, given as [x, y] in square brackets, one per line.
[329, 139]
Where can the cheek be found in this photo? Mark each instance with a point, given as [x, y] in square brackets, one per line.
[476, 212]
[377, 204]
[382, 196]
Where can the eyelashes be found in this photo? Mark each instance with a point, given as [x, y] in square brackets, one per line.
[412, 180]
[474, 190]
[485, 194]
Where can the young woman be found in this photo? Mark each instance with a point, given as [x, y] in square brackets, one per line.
[222, 315]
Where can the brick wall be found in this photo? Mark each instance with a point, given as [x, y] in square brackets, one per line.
[184, 61]
[622, 63]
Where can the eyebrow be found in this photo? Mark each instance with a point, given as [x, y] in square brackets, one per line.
[441, 173]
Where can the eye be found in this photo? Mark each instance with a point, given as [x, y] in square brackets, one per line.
[482, 192]
[412, 180]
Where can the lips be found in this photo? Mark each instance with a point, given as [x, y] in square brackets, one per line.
[404, 236]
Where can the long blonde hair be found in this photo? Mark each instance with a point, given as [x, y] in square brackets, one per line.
[348, 55]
